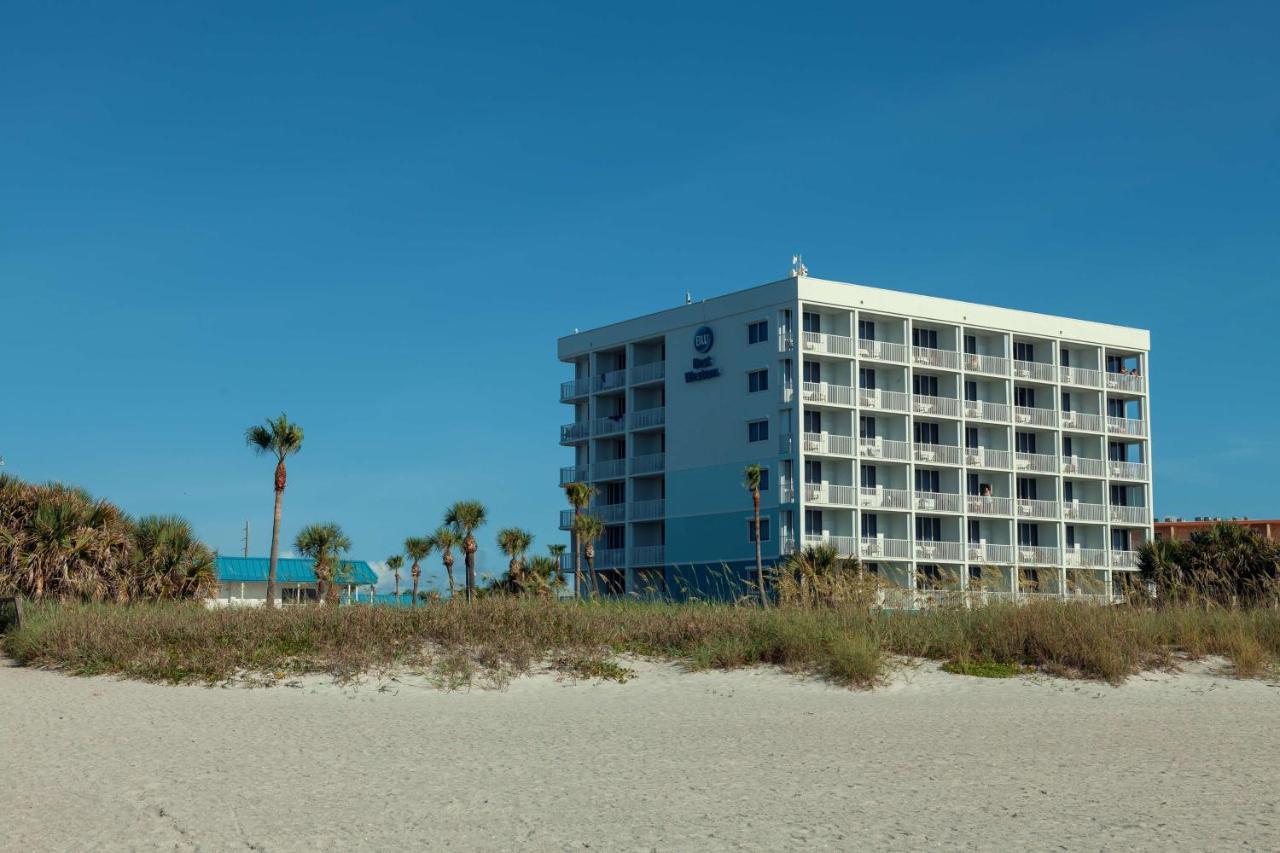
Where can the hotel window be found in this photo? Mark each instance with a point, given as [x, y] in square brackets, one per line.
[758, 332]
[971, 391]
[764, 479]
[615, 536]
[1066, 357]
[1028, 535]
[1066, 401]
[812, 322]
[867, 330]
[973, 485]
[971, 437]
[812, 372]
[1025, 442]
[1066, 446]
[757, 380]
[812, 420]
[813, 471]
[869, 526]
[757, 431]
[868, 476]
[866, 427]
[924, 386]
[975, 531]
[1023, 351]
[764, 530]
[1071, 536]
[925, 432]
[929, 529]
[866, 378]
[813, 522]
[971, 344]
[1026, 489]
[927, 480]
[1024, 397]
[1068, 491]
[927, 338]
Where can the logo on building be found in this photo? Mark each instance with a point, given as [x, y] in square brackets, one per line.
[703, 339]
[703, 368]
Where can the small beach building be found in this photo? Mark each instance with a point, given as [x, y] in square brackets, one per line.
[243, 580]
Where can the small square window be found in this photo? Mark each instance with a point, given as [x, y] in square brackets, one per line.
[757, 431]
[764, 530]
[758, 332]
[757, 380]
[764, 479]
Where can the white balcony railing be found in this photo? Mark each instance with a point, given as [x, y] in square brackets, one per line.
[1036, 509]
[577, 431]
[878, 497]
[988, 505]
[575, 388]
[944, 358]
[941, 454]
[821, 342]
[1041, 462]
[1081, 511]
[1126, 382]
[1083, 421]
[948, 551]
[983, 410]
[993, 365]
[647, 555]
[947, 407]
[574, 474]
[649, 463]
[1126, 426]
[610, 558]
[609, 513]
[1030, 555]
[1084, 466]
[566, 519]
[847, 546]
[651, 372]
[825, 392]
[878, 398]
[1128, 470]
[884, 448]
[878, 547]
[1027, 416]
[645, 418]
[828, 493]
[608, 425]
[1130, 514]
[985, 457]
[648, 510]
[829, 444]
[989, 553]
[882, 351]
[609, 469]
[786, 491]
[786, 340]
[610, 381]
[937, 502]
[1038, 370]
[1084, 557]
[1080, 376]
[1124, 559]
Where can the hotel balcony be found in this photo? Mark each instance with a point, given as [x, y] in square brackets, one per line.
[647, 555]
[846, 546]
[1128, 470]
[878, 398]
[609, 558]
[1085, 558]
[982, 410]
[929, 357]
[1084, 466]
[575, 432]
[648, 510]
[1036, 509]
[1039, 371]
[1124, 559]
[1126, 426]
[643, 374]
[1126, 382]
[985, 457]
[880, 548]
[829, 494]
[609, 469]
[819, 342]
[1031, 555]
[647, 418]
[947, 407]
[1081, 511]
[1025, 416]
[886, 351]
[989, 554]
[1081, 377]
[828, 444]
[992, 365]
[1082, 421]
[574, 389]
[566, 519]
[988, 505]
[827, 393]
[609, 513]
[611, 381]
[938, 502]
[878, 497]
[786, 491]
[1043, 463]
[884, 448]
[575, 474]
[651, 463]
[786, 443]
[1130, 515]
[951, 552]
[940, 454]
[786, 341]
[608, 425]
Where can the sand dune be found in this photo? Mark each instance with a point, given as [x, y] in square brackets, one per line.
[752, 760]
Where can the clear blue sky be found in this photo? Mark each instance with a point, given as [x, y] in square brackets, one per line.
[378, 218]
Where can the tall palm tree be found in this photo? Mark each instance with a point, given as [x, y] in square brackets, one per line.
[558, 550]
[579, 496]
[587, 529]
[752, 475]
[394, 564]
[515, 543]
[324, 544]
[464, 517]
[278, 437]
[418, 548]
[444, 540]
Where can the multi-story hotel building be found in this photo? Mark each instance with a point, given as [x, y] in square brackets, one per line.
[946, 444]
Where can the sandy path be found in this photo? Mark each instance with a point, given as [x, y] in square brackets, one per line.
[751, 760]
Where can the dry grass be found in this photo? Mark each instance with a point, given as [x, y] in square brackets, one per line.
[497, 637]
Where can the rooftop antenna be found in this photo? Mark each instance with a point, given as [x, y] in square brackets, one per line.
[246, 538]
[797, 266]
[688, 297]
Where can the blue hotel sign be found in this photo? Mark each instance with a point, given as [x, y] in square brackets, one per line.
[703, 368]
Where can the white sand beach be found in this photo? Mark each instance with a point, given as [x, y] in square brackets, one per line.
[752, 760]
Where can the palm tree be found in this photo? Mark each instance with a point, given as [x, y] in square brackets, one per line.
[752, 475]
[280, 438]
[587, 529]
[324, 544]
[169, 561]
[444, 540]
[394, 564]
[558, 550]
[579, 496]
[464, 517]
[515, 543]
[543, 573]
[418, 548]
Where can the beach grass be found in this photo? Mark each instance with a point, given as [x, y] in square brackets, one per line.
[497, 637]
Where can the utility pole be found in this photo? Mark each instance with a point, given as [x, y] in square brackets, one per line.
[246, 538]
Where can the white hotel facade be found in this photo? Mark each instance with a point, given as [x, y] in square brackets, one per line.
[948, 445]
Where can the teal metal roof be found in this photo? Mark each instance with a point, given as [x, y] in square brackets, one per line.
[288, 570]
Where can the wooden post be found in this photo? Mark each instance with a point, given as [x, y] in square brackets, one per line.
[17, 606]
